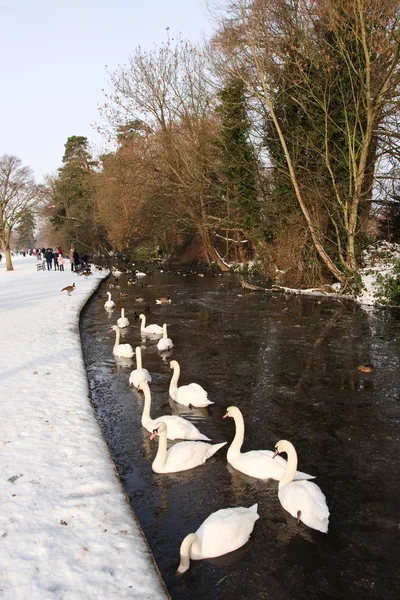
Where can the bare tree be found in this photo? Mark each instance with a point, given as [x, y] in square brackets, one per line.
[19, 196]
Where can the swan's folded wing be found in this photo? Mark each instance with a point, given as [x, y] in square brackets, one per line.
[198, 389]
[226, 530]
[187, 454]
[320, 506]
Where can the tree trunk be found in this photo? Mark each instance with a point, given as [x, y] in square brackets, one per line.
[5, 244]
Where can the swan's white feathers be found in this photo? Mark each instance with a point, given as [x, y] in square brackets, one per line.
[306, 497]
[137, 376]
[178, 428]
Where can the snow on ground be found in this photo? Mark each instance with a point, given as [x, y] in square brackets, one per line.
[66, 528]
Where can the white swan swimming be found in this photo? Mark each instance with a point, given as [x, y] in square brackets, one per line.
[183, 455]
[223, 531]
[140, 273]
[139, 374]
[177, 427]
[304, 500]
[122, 321]
[188, 395]
[256, 463]
[109, 304]
[121, 350]
[149, 329]
[165, 343]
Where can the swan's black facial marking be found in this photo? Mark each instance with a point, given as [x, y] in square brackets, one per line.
[155, 430]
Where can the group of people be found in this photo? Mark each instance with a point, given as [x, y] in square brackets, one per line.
[52, 257]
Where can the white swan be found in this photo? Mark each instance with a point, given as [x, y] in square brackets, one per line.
[256, 463]
[177, 427]
[122, 321]
[140, 273]
[109, 304]
[183, 455]
[139, 374]
[121, 350]
[150, 329]
[223, 531]
[188, 395]
[304, 500]
[165, 343]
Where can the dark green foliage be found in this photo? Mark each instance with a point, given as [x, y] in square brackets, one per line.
[26, 230]
[389, 288]
[238, 165]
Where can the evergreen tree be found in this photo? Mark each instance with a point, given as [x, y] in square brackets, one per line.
[26, 230]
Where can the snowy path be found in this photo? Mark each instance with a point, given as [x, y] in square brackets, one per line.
[66, 529]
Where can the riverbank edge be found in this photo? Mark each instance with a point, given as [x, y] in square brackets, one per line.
[121, 487]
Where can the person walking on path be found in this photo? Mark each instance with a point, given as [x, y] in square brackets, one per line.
[61, 261]
[55, 260]
[49, 258]
[76, 259]
[71, 258]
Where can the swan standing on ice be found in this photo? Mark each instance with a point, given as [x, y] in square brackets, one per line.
[150, 329]
[223, 531]
[121, 350]
[177, 427]
[165, 343]
[109, 304]
[304, 500]
[188, 395]
[123, 321]
[139, 374]
[256, 463]
[183, 455]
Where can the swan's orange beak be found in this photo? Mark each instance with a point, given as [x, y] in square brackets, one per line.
[276, 452]
[154, 434]
[110, 331]
[227, 415]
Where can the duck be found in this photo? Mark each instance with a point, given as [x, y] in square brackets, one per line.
[109, 304]
[183, 455]
[178, 428]
[69, 289]
[164, 300]
[123, 295]
[139, 374]
[368, 368]
[149, 329]
[139, 299]
[122, 321]
[304, 500]
[191, 394]
[165, 343]
[256, 463]
[223, 531]
[121, 350]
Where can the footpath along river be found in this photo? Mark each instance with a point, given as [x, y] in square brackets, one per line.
[291, 365]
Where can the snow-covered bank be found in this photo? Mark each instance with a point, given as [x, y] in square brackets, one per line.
[66, 528]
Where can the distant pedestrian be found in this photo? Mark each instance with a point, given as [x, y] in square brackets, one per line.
[1, 256]
[61, 261]
[84, 260]
[71, 258]
[59, 250]
[55, 260]
[49, 258]
[76, 259]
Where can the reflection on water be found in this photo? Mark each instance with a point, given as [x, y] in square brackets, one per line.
[291, 365]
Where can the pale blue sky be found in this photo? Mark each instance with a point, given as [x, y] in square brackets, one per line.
[52, 61]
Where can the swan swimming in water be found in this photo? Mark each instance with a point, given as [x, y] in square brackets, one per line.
[256, 463]
[109, 304]
[121, 350]
[177, 427]
[223, 531]
[152, 329]
[139, 374]
[123, 321]
[183, 455]
[304, 500]
[188, 395]
[165, 343]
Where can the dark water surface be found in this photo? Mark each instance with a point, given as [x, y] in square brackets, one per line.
[290, 365]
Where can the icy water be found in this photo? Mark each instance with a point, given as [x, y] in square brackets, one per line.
[291, 365]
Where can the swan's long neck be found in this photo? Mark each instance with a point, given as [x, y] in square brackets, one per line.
[143, 320]
[164, 329]
[138, 357]
[291, 465]
[161, 456]
[187, 543]
[237, 441]
[109, 296]
[117, 338]
[174, 381]
[147, 403]
[122, 313]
